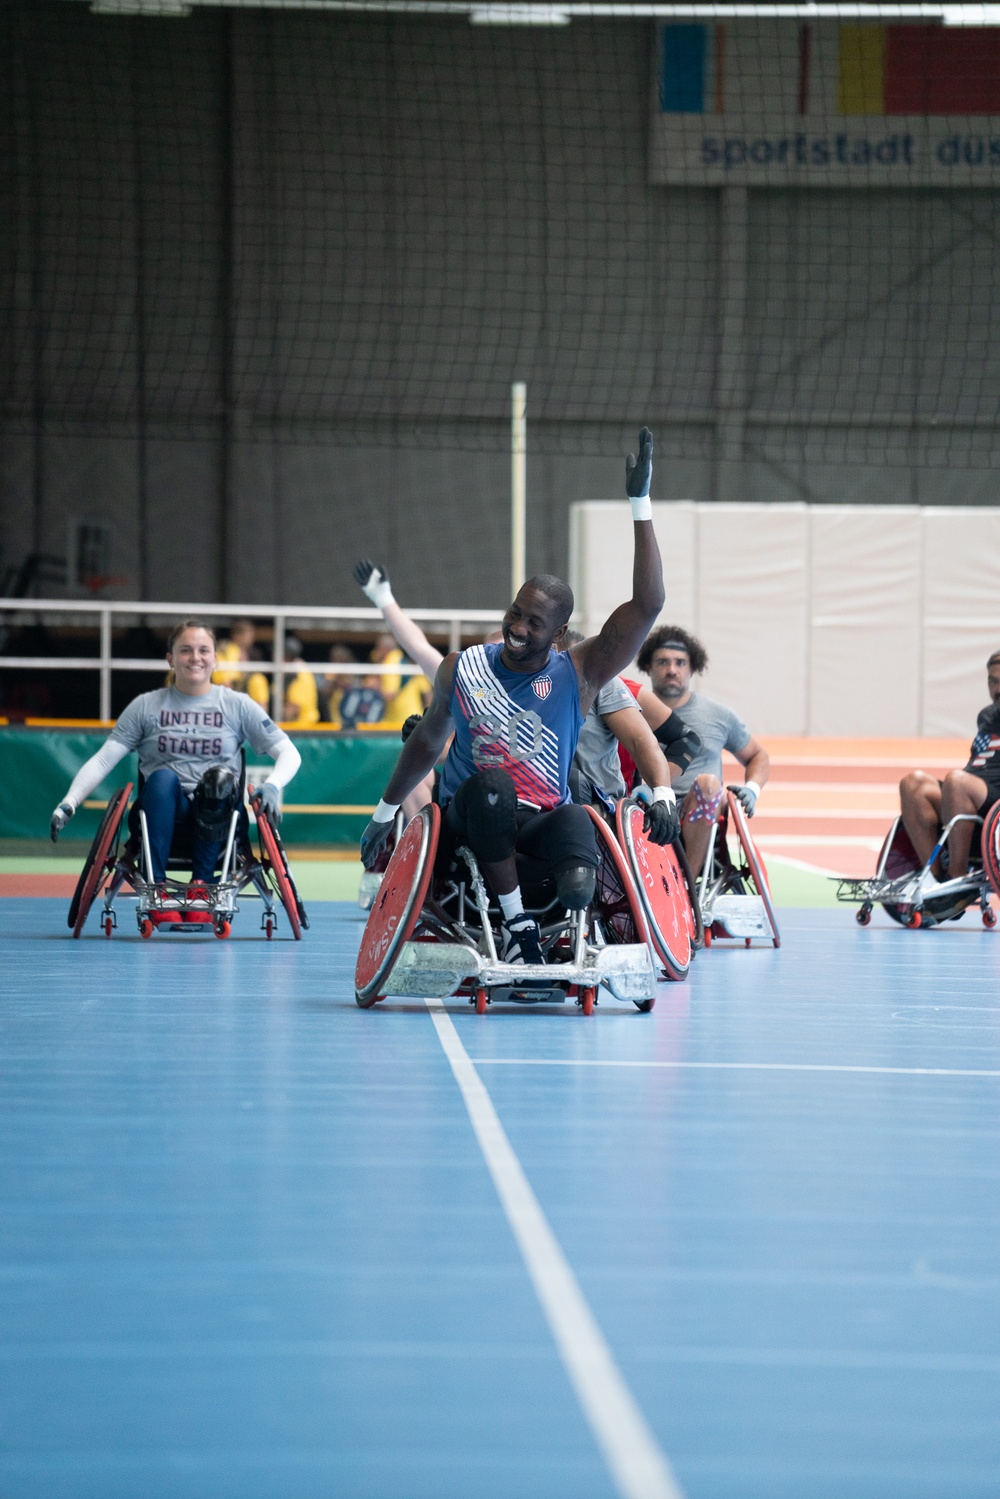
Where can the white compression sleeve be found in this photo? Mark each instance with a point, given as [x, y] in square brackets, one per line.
[286, 763]
[93, 771]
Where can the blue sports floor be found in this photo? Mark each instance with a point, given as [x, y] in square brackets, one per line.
[258, 1243]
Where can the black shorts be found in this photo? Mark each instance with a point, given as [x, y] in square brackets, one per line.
[546, 843]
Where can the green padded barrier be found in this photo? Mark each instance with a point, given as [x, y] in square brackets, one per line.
[338, 770]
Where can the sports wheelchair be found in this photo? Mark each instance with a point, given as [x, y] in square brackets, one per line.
[434, 933]
[174, 905]
[911, 894]
[734, 896]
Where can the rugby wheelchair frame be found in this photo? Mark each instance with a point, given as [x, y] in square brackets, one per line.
[109, 874]
[435, 934]
[733, 892]
[912, 895]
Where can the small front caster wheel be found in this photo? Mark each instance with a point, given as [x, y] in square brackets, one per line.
[482, 1000]
[222, 928]
[588, 998]
[989, 916]
[145, 928]
[864, 916]
[109, 925]
[913, 920]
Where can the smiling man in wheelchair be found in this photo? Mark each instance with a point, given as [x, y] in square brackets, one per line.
[516, 709]
[189, 737]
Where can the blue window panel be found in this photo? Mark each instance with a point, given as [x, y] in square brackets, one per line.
[682, 80]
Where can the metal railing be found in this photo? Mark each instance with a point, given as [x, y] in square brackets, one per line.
[25, 611]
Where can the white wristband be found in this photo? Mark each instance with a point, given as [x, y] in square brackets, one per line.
[752, 786]
[665, 794]
[642, 508]
[385, 811]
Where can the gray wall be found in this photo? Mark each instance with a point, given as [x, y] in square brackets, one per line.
[272, 274]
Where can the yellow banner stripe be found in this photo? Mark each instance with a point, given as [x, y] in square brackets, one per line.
[862, 70]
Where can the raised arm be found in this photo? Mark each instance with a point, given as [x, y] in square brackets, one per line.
[419, 756]
[601, 657]
[374, 584]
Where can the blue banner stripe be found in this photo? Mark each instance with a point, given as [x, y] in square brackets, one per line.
[682, 81]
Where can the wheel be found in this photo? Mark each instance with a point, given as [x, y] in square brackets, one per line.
[746, 941]
[100, 860]
[222, 928]
[482, 1000]
[989, 916]
[644, 1005]
[588, 998]
[754, 863]
[913, 920]
[269, 928]
[396, 909]
[145, 927]
[109, 926]
[864, 916]
[365, 1002]
[662, 889]
[708, 936]
[272, 856]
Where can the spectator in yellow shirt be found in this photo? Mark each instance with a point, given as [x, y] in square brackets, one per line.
[301, 709]
[239, 647]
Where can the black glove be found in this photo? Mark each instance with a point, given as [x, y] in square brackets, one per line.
[746, 795]
[661, 823]
[372, 840]
[59, 819]
[639, 474]
[270, 801]
[410, 725]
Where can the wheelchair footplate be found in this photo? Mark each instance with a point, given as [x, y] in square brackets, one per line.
[188, 908]
[439, 969]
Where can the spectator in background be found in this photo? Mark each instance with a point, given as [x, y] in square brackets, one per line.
[301, 708]
[240, 647]
[334, 684]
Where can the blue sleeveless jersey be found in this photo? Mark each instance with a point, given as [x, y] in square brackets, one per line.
[525, 725]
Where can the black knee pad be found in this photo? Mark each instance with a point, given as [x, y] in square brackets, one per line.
[489, 807]
[216, 797]
[575, 886]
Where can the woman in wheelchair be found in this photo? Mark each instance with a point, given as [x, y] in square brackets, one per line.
[189, 737]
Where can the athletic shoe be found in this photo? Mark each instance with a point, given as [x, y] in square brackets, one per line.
[521, 940]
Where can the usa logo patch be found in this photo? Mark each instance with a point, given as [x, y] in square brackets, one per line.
[542, 686]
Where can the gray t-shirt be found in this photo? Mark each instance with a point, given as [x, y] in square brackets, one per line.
[596, 767]
[191, 734]
[720, 728]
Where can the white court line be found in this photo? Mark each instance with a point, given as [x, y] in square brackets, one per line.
[737, 1066]
[638, 1467]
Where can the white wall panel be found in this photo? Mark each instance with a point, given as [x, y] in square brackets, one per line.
[961, 615]
[864, 666]
[829, 620]
[751, 610]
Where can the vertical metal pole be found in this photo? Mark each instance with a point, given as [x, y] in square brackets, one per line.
[455, 635]
[518, 482]
[278, 679]
[105, 707]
